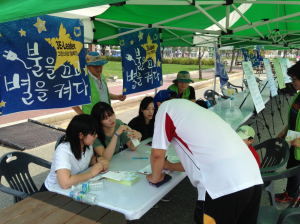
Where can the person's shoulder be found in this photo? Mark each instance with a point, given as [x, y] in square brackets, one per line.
[64, 147]
[119, 122]
[134, 120]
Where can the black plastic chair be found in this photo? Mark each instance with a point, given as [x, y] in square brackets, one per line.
[14, 167]
[211, 96]
[60, 140]
[271, 214]
[274, 154]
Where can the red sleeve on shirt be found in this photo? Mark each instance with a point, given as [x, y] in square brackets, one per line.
[256, 156]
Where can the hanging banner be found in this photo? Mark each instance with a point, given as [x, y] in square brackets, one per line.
[284, 68]
[141, 60]
[271, 82]
[220, 68]
[253, 87]
[278, 73]
[42, 64]
[250, 56]
[260, 52]
[288, 63]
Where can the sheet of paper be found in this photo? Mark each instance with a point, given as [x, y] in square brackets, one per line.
[279, 74]
[147, 170]
[252, 85]
[173, 159]
[284, 66]
[291, 135]
[115, 175]
[271, 82]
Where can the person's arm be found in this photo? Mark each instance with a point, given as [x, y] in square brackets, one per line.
[157, 165]
[173, 166]
[134, 135]
[117, 97]
[283, 133]
[78, 110]
[192, 96]
[66, 180]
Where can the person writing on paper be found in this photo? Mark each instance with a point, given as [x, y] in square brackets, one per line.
[75, 154]
[225, 173]
[112, 132]
[98, 85]
[182, 88]
[144, 123]
[293, 183]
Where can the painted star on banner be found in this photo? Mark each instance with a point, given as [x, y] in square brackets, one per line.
[124, 90]
[68, 45]
[131, 42]
[40, 25]
[161, 82]
[158, 63]
[0, 35]
[122, 43]
[2, 104]
[22, 32]
[86, 70]
[140, 36]
[150, 48]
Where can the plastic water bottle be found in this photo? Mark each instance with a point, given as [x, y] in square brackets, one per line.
[219, 103]
[135, 142]
[208, 103]
[87, 186]
[232, 100]
[88, 198]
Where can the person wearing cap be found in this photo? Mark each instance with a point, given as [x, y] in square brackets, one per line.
[98, 85]
[213, 156]
[182, 88]
[247, 134]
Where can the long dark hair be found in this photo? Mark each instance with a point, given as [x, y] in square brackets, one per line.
[83, 123]
[141, 119]
[99, 111]
[294, 70]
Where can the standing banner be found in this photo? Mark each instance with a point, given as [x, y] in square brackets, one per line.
[220, 68]
[288, 63]
[250, 56]
[260, 52]
[278, 73]
[284, 67]
[141, 60]
[271, 82]
[42, 64]
[253, 87]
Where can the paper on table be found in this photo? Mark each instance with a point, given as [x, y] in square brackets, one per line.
[147, 170]
[173, 158]
[291, 135]
[115, 175]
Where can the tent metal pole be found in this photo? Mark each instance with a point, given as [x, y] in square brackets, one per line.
[268, 2]
[121, 34]
[121, 22]
[227, 16]
[161, 2]
[215, 67]
[216, 32]
[176, 38]
[179, 37]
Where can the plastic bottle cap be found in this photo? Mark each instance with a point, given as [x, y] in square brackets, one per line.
[71, 193]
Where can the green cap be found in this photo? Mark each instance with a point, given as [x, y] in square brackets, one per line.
[183, 76]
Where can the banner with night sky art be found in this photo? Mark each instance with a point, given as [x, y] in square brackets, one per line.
[141, 60]
[42, 64]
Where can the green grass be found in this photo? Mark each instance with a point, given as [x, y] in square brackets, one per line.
[115, 68]
[199, 80]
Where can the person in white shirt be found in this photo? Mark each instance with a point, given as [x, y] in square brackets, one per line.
[75, 154]
[214, 157]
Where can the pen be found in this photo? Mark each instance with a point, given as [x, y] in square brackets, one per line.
[166, 158]
[139, 158]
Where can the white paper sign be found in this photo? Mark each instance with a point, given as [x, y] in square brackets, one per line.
[118, 176]
[291, 135]
[284, 67]
[271, 82]
[252, 85]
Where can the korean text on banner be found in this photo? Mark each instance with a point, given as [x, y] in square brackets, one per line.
[284, 68]
[271, 82]
[278, 73]
[42, 64]
[253, 87]
[220, 68]
[250, 56]
[141, 60]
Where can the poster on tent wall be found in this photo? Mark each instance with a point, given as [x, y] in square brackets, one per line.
[220, 68]
[271, 82]
[250, 56]
[141, 60]
[253, 87]
[42, 64]
[260, 52]
[284, 68]
[278, 72]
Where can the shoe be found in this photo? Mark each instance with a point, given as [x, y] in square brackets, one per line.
[166, 198]
[283, 198]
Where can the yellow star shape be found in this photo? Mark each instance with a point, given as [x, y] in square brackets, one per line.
[124, 90]
[22, 32]
[0, 112]
[150, 49]
[140, 36]
[64, 44]
[158, 63]
[0, 35]
[122, 43]
[161, 82]
[40, 25]
[2, 104]
[86, 70]
[131, 42]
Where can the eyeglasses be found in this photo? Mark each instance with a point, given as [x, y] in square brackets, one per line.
[293, 80]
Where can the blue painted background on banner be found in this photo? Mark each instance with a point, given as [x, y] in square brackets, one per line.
[42, 64]
[260, 52]
[141, 60]
[220, 68]
[249, 55]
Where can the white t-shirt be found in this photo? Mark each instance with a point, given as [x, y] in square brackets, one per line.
[214, 157]
[63, 158]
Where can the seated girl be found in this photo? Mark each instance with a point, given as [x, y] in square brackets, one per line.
[144, 123]
[75, 154]
[112, 132]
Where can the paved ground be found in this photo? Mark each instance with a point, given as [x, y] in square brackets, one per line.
[182, 205]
